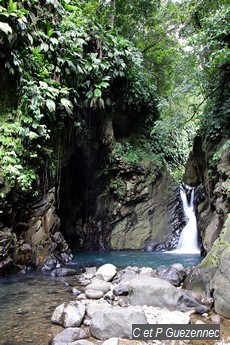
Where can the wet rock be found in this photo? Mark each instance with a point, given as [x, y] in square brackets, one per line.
[98, 285]
[160, 293]
[69, 335]
[116, 322]
[106, 272]
[69, 314]
[66, 257]
[50, 264]
[63, 272]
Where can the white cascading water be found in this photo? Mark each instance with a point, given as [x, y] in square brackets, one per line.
[188, 242]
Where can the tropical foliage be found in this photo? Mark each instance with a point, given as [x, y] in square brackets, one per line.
[112, 56]
[63, 61]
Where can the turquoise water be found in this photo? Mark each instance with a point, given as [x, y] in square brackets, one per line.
[122, 259]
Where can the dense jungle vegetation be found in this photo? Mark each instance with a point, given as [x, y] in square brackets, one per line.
[166, 59]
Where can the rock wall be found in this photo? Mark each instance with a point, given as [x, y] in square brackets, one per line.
[213, 196]
[143, 219]
[30, 237]
[209, 170]
[216, 267]
[139, 211]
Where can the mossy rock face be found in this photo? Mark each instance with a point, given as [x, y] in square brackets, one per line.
[145, 217]
[216, 266]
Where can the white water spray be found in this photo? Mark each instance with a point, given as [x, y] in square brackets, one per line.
[188, 242]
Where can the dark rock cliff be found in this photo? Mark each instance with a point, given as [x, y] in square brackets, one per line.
[29, 234]
[131, 206]
[209, 170]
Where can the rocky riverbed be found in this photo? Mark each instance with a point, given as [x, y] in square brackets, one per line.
[98, 306]
[106, 302]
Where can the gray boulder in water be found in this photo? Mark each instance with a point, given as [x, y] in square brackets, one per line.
[160, 293]
[63, 272]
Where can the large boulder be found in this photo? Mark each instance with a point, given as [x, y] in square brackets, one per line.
[69, 314]
[106, 272]
[116, 322]
[160, 293]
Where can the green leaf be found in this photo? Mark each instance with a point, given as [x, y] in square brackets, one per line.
[67, 105]
[104, 84]
[97, 93]
[5, 28]
[50, 105]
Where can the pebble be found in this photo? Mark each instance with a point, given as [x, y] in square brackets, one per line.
[205, 315]
[215, 318]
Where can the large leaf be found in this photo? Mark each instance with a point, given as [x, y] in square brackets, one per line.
[67, 105]
[5, 28]
[50, 105]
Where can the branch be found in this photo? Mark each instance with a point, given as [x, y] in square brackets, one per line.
[200, 104]
[160, 39]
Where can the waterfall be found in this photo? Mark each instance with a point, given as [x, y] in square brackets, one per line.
[188, 242]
